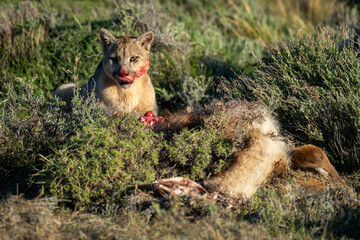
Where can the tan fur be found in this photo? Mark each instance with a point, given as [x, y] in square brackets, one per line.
[249, 170]
[262, 150]
[310, 157]
[66, 92]
[123, 57]
[252, 129]
[310, 185]
[235, 120]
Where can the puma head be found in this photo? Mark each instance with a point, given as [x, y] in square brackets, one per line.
[125, 58]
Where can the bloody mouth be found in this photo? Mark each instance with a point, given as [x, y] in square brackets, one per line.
[124, 82]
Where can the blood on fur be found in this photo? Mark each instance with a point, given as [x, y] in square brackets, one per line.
[143, 69]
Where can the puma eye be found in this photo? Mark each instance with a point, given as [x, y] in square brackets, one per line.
[114, 59]
[134, 59]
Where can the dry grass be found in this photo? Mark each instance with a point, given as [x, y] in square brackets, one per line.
[265, 22]
[20, 24]
[23, 219]
[278, 210]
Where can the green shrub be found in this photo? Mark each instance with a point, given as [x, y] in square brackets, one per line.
[198, 153]
[314, 91]
[100, 163]
[81, 155]
[31, 128]
[23, 132]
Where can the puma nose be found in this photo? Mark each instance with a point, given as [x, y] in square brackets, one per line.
[123, 73]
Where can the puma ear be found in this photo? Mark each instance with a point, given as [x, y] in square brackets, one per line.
[106, 38]
[145, 39]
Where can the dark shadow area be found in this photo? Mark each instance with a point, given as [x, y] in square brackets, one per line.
[219, 71]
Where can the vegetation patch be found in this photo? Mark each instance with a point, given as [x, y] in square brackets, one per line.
[313, 90]
[97, 172]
